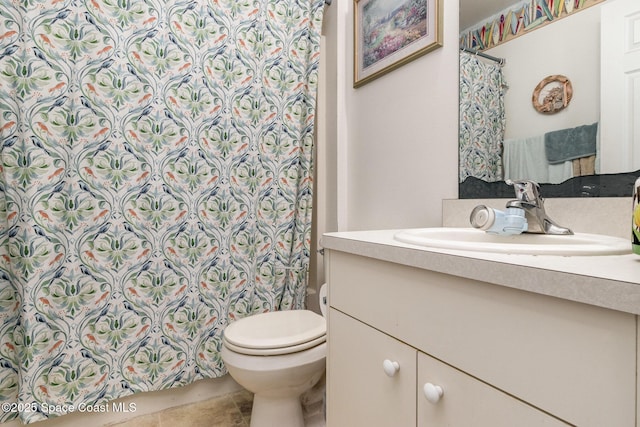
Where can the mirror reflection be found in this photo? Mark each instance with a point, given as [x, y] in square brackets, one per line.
[531, 107]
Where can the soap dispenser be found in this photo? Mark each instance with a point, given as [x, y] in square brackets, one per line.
[635, 220]
[494, 221]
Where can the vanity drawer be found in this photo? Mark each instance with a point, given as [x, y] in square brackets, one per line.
[575, 361]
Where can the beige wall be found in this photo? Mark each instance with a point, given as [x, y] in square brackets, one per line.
[386, 152]
[397, 136]
[569, 46]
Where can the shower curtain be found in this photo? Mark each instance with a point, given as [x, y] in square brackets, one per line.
[482, 119]
[155, 185]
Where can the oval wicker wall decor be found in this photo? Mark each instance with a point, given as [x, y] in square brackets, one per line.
[552, 94]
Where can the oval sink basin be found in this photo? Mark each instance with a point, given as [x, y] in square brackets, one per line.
[471, 239]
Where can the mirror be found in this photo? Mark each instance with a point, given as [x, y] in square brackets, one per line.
[569, 46]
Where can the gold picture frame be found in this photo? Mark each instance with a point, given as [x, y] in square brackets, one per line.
[390, 33]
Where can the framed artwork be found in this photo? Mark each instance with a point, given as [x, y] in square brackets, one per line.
[552, 94]
[390, 33]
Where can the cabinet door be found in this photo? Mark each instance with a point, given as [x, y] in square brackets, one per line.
[466, 401]
[359, 392]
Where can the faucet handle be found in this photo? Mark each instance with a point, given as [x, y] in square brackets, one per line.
[526, 190]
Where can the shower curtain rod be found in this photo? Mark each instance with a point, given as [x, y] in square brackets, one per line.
[500, 61]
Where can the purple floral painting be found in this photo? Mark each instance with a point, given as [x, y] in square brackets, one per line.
[390, 33]
[389, 27]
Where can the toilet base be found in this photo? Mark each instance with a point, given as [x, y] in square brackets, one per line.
[276, 412]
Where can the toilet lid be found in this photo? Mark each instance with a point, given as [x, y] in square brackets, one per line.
[276, 330]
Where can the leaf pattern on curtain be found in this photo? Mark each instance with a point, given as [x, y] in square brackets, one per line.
[482, 119]
[156, 185]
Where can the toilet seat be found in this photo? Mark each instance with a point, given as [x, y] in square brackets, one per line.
[274, 351]
[276, 332]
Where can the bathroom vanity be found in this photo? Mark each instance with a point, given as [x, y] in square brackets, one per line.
[424, 337]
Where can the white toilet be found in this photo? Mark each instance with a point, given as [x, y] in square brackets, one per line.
[278, 356]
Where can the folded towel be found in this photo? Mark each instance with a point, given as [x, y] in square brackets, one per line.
[584, 166]
[524, 158]
[573, 143]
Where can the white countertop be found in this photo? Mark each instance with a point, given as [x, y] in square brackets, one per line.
[611, 281]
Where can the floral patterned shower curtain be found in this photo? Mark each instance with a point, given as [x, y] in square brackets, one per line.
[155, 186]
[482, 119]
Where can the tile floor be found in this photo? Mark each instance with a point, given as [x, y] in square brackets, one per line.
[226, 411]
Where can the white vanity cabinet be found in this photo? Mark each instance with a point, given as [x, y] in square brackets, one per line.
[502, 357]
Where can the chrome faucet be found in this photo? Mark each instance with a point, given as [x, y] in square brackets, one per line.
[528, 199]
